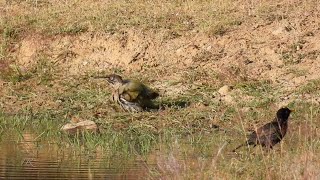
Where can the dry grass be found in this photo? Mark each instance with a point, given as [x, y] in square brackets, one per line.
[77, 16]
[56, 17]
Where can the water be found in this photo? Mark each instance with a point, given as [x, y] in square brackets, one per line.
[30, 159]
[24, 156]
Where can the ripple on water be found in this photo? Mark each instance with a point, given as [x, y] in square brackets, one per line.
[28, 159]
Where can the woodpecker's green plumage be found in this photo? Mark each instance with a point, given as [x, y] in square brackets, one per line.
[131, 95]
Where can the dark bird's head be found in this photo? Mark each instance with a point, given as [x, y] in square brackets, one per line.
[114, 79]
[283, 113]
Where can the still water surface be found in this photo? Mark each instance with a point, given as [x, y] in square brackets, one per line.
[29, 159]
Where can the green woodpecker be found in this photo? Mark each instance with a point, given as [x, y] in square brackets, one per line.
[131, 95]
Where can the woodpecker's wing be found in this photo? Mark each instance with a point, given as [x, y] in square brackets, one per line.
[131, 90]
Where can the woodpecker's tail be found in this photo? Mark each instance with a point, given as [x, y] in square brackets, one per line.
[153, 95]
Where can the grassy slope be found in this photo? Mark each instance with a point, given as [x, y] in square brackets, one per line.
[44, 99]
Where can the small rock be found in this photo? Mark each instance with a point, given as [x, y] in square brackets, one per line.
[87, 125]
[81, 126]
[179, 51]
[69, 128]
[228, 99]
[224, 90]
[280, 30]
[246, 109]
[299, 47]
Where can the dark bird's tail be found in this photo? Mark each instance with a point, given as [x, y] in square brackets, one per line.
[248, 143]
[239, 147]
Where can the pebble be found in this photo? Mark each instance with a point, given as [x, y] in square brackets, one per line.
[81, 126]
[224, 90]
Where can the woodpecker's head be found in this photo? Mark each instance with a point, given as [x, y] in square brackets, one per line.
[114, 79]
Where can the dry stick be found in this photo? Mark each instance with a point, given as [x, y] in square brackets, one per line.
[214, 160]
[260, 147]
[263, 156]
[281, 157]
[308, 148]
[305, 171]
[311, 120]
[241, 122]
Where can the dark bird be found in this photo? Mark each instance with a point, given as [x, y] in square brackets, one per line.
[131, 95]
[271, 133]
